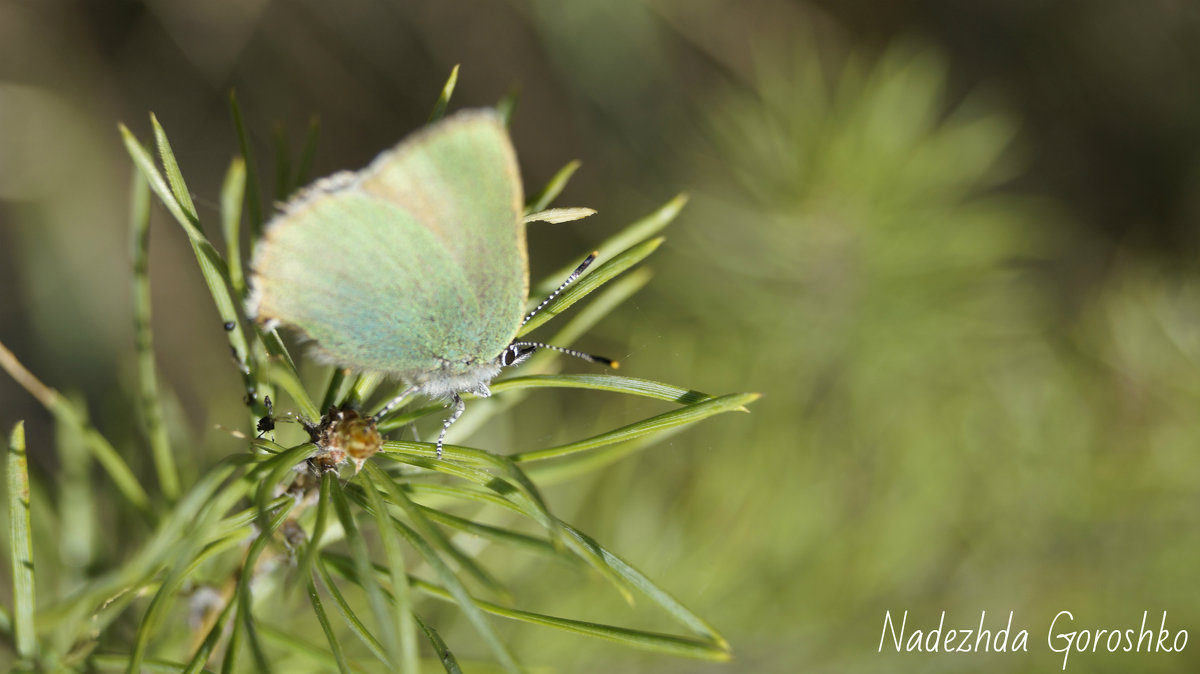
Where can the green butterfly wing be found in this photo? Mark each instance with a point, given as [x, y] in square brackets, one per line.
[413, 266]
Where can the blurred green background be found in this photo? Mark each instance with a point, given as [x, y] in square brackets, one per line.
[952, 243]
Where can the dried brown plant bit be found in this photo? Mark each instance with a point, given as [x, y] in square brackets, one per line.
[324, 462]
[344, 433]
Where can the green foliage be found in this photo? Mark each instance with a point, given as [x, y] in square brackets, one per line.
[936, 434]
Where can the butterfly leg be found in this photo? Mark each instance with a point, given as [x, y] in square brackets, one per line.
[459, 406]
[391, 404]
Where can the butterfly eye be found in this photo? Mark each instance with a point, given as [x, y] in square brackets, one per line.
[508, 356]
[514, 354]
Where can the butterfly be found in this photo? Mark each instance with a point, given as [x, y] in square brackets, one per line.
[415, 266]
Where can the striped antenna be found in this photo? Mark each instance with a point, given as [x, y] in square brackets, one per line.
[570, 279]
[526, 348]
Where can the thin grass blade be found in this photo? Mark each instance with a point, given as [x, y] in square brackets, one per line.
[552, 189]
[364, 386]
[507, 105]
[307, 153]
[206, 648]
[244, 596]
[658, 642]
[458, 493]
[80, 533]
[284, 375]
[449, 663]
[490, 532]
[652, 591]
[233, 646]
[341, 382]
[145, 162]
[404, 629]
[20, 546]
[443, 100]
[149, 399]
[174, 177]
[335, 646]
[233, 193]
[376, 597]
[252, 195]
[320, 524]
[606, 382]
[356, 625]
[657, 424]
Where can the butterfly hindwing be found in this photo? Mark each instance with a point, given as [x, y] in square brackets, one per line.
[415, 262]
